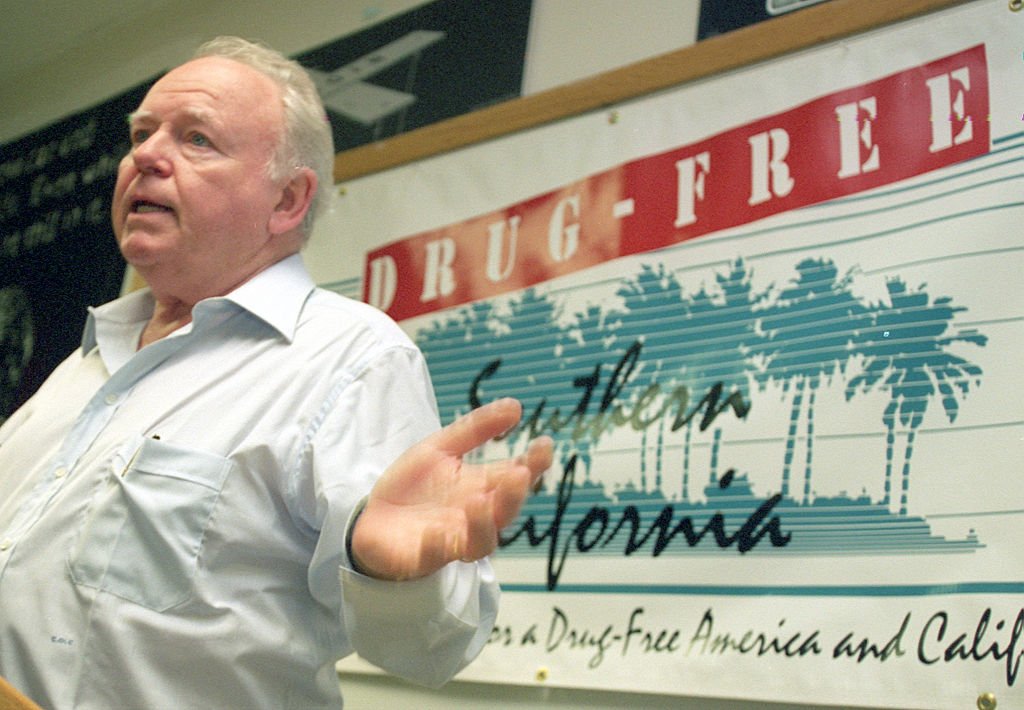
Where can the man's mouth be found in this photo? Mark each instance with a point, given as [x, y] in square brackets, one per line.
[146, 207]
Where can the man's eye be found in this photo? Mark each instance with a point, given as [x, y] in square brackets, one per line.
[199, 140]
[139, 136]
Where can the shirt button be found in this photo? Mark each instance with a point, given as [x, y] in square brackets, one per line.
[110, 399]
[5, 545]
[60, 472]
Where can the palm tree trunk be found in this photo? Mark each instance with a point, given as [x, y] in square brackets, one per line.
[908, 453]
[890, 449]
[810, 446]
[686, 461]
[643, 461]
[658, 455]
[715, 446]
[794, 416]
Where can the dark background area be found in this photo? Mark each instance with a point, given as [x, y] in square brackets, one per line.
[56, 244]
[479, 62]
[721, 16]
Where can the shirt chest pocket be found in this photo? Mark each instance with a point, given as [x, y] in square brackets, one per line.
[142, 533]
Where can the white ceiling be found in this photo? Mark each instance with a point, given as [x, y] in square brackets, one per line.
[35, 33]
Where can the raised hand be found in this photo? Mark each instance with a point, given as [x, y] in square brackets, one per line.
[429, 508]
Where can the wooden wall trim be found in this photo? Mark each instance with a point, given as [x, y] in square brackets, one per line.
[812, 26]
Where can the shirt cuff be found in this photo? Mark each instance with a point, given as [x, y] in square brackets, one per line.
[349, 527]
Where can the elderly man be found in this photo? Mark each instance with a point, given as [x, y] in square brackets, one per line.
[239, 477]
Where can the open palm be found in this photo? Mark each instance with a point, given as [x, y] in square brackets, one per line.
[430, 508]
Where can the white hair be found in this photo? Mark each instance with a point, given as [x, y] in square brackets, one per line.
[307, 140]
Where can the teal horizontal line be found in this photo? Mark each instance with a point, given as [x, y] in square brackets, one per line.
[973, 514]
[943, 258]
[902, 228]
[896, 590]
[897, 188]
[1010, 137]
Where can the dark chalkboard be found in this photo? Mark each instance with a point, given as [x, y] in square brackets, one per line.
[57, 251]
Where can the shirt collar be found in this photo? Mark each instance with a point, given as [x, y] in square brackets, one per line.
[276, 296]
[135, 308]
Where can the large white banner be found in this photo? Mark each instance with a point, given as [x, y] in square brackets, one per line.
[773, 321]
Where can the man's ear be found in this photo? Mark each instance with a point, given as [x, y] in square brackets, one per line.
[296, 197]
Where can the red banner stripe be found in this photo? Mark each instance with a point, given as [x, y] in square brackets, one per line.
[857, 139]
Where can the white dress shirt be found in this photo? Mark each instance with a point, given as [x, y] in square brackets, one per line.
[173, 519]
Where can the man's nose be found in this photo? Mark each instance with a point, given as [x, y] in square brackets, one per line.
[153, 155]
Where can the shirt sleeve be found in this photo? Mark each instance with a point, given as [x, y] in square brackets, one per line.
[423, 630]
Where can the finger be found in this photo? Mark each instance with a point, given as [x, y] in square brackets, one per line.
[532, 463]
[536, 460]
[509, 495]
[438, 547]
[481, 531]
[512, 480]
[479, 426]
[539, 455]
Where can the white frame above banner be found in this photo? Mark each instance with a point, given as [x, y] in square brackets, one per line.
[782, 35]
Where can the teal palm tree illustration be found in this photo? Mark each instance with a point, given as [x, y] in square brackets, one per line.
[700, 343]
[654, 315]
[527, 340]
[453, 347]
[733, 337]
[699, 310]
[582, 368]
[660, 356]
[905, 353]
[809, 335]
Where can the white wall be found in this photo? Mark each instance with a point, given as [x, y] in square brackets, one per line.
[569, 40]
[377, 692]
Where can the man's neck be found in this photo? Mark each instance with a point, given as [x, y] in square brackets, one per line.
[168, 316]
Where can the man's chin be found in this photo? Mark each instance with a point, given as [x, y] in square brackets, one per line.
[141, 250]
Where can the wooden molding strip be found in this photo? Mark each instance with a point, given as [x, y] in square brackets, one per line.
[12, 699]
[812, 26]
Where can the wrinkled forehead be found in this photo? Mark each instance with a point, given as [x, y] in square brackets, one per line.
[212, 88]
